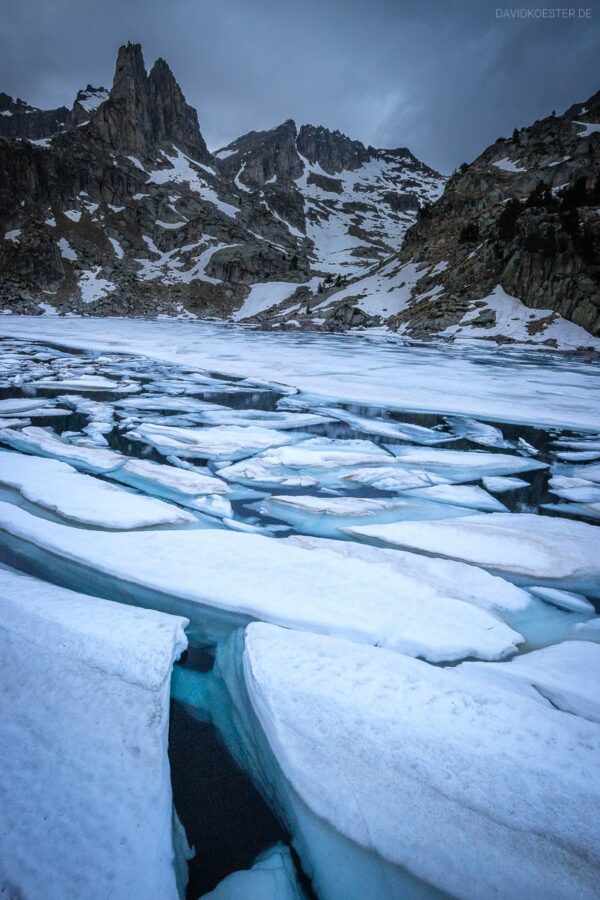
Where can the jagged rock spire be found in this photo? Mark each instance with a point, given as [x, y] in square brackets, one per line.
[144, 111]
[172, 118]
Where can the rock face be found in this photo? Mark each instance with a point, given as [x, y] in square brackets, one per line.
[519, 225]
[19, 119]
[332, 150]
[117, 207]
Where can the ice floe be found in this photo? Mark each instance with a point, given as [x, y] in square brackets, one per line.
[190, 572]
[194, 489]
[478, 432]
[563, 599]
[499, 484]
[565, 676]
[468, 495]
[41, 442]
[463, 465]
[90, 383]
[529, 549]
[262, 418]
[325, 515]
[304, 464]
[387, 427]
[227, 442]
[59, 488]
[398, 778]
[84, 712]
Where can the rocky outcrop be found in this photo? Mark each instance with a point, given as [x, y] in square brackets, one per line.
[262, 156]
[512, 246]
[145, 111]
[19, 119]
[331, 150]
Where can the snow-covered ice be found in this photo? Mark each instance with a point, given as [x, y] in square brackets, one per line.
[565, 676]
[463, 465]
[499, 484]
[41, 442]
[540, 550]
[387, 427]
[437, 776]
[326, 515]
[190, 572]
[60, 489]
[228, 442]
[84, 712]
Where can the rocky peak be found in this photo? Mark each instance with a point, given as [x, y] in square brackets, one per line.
[145, 111]
[86, 103]
[259, 156]
[332, 150]
[172, 118]
[124, 120]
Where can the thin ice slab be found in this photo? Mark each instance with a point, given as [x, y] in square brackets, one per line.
[59, 488]
[41, 442]
[529, 549]
[228, 442]
[325, 515]
[463, 465]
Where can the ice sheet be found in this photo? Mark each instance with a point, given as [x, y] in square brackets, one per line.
[498, 384]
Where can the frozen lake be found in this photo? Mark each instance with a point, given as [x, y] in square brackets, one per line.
[386, 560]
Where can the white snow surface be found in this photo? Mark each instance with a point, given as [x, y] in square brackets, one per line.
[57, 487]
[314, 589]
[521, 323]
[40, 442]
[84, 709]
[508, 165]
[545, 550]
[264, 296]
[430, 769]
[565, 675]
[497, 384]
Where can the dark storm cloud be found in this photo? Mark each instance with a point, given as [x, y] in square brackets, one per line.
[444, 78]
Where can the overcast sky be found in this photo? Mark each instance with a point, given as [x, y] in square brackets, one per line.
[444, 78]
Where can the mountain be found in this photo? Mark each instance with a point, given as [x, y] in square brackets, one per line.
[117, 207]
[353, 202]
[509, 251]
